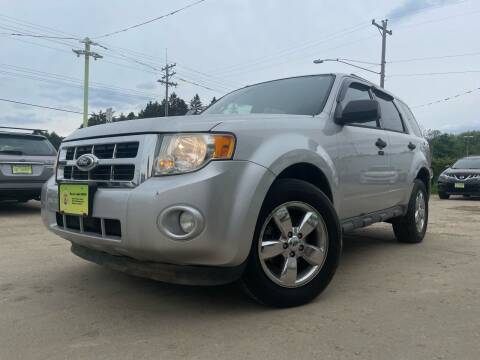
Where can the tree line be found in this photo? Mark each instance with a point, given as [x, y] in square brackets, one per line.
[176, 107]
[448, 148]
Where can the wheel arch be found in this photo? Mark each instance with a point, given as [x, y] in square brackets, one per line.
[308, 173]
[424, 175]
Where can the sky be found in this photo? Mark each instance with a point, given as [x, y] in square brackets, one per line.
[220, 45]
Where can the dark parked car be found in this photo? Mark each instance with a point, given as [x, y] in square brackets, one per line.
[26, 162]
[463, 178]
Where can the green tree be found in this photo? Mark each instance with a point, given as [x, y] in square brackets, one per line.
[152, 109]
[131, 116]
[54, 139]
[97, 119]
[176, 106]
[196, 105]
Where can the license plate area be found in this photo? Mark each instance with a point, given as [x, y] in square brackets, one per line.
[75, 199]
[22, 170]
[459, 185]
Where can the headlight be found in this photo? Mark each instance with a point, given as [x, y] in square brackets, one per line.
[181, 153]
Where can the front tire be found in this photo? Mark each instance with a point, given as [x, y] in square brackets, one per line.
[412, 227]
[296, 246]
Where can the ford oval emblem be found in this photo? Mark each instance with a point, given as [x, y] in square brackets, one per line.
[87, 162]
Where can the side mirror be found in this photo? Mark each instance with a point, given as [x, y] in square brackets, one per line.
[359, 111]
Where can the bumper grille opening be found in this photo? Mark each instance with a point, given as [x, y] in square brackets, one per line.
[59, 219]
[93, 225]
[113, 227]
[72, 222]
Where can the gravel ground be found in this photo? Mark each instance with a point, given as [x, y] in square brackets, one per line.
[387, 301]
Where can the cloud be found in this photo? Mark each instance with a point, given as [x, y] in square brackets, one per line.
[410, 7]
[23, 118]
[146, 86]
[98, 98]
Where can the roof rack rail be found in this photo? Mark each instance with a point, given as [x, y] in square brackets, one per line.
[33, 131]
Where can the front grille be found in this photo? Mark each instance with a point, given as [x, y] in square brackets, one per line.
[101, 173]
[86, 224]
[121, 150]
[126, 150]
[112, 172]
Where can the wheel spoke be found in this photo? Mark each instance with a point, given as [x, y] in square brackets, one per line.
[309, 222]
[313, 254]
[289, 271]
[283, 221]
[271, 249]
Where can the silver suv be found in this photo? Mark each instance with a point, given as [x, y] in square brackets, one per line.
[26, 163]
[258, 188]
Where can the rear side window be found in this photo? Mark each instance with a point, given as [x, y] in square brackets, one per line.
[358, 92]
[25, 145]
[408, 115]
[391, 119]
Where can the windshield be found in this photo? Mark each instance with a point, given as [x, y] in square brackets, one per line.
[297, 96]
[467, 164]
[25, 145]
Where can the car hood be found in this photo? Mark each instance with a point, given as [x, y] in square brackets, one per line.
[187, 123]
[462, 172]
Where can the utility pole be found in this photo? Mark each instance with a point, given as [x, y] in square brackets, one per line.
[87, 53]
[166, 80]
[383, 32]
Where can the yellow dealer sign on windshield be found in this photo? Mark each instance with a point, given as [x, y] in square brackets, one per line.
[73, 199]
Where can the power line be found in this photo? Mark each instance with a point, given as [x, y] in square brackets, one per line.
[41, 36]
[149, 21]
[293, 50]
[70, 79]
[435, 73]
[433, 57]
[447, 98]
[40, 106]
[120, 54]
[76, 85]
[202, 86]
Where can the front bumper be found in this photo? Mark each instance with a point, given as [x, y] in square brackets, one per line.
[175, 274]
[20, 190]
[471, 188]
[228, 194]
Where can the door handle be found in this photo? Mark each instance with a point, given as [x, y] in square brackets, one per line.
[411, 146]
[380, 143]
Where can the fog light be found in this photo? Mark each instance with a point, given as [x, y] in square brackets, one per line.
[181, 222]
[187, 221]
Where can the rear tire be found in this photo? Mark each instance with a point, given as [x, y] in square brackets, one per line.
[443, 196]
[412, 227]
[286, 267]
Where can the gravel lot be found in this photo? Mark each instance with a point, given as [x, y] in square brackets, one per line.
[387, 301]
